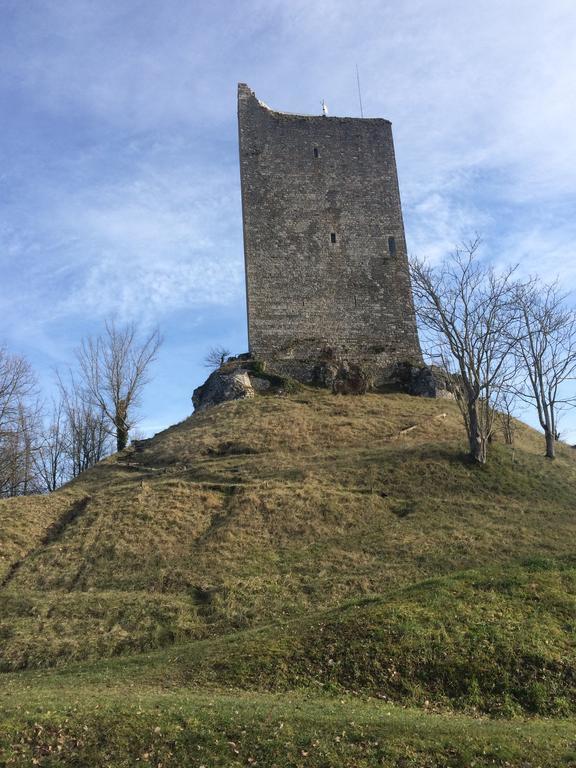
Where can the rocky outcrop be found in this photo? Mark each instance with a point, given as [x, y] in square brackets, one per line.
[351, 379]
[221, 386]
[424, 380]
[327, 369]
[240, 378]
[342, 377]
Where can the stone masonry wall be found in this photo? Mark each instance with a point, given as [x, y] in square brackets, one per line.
[308, 181]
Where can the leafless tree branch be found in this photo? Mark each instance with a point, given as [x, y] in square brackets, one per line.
[546, 349]
[467, 310]
[114, 368]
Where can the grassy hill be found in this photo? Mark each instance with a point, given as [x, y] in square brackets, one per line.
[316, 546]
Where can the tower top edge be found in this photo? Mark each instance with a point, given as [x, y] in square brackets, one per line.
[245, 93]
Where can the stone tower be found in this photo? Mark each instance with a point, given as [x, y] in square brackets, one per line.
[325, 253]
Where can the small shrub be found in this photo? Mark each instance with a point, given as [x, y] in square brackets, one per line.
[537, 698]
[258, 366]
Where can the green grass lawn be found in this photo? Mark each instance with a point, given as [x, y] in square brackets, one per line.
[500, 641]
[79, 725]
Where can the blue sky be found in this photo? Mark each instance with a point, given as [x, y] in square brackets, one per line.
[119, 182]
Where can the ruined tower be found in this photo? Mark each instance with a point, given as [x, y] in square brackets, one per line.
[325, 252]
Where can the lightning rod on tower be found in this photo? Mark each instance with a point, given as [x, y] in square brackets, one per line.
[359, 91]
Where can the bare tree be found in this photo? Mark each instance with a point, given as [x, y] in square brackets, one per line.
[17, 383]
[18, 454]
[547, 349]
[507, 402]
[87, 435]
[50, 459]
[18, 425]
[54, 456]
[114, 369]
[216, 357]
[467, 309]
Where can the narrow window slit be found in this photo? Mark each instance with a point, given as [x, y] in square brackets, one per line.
[333, 237]
[392, 246]
[316, 153]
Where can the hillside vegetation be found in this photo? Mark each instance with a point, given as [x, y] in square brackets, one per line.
[320, 546]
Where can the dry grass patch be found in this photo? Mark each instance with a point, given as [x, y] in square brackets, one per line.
[263, 509]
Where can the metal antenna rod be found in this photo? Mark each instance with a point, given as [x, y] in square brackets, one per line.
[359, 91]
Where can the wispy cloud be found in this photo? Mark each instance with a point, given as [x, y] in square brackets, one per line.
[150, 242]
[157, 245]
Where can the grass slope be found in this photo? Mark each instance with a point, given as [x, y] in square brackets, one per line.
[261, 510]
[25, 525]
[500, 641]
[309, 544]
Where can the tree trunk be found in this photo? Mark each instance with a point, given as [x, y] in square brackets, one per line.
[478, 446]
[550, 444]
[121, 436]
[121, 426]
